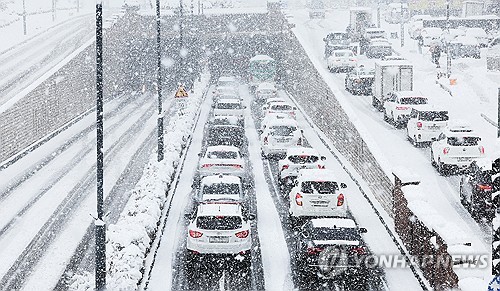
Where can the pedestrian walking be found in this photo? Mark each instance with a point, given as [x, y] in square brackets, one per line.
[420, 41]
[435, 50]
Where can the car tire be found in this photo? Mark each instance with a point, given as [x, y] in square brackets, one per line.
[442, 168]
[263, 155]
[293, 221]
[386, 118]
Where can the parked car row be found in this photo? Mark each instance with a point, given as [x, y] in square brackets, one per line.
[317, 202]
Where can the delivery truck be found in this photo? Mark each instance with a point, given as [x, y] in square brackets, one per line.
[391, 75]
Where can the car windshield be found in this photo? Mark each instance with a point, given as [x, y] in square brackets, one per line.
[283, 130]
[413, 100]
[228, 83]
[221, 188]
[281, 107]
[222, 105]
[303, 159]
[434, 115]
[343, 54]
[322, 187]
[222, 155]
[464, 141]
[226, 131]
[327, 233]
[219, 222]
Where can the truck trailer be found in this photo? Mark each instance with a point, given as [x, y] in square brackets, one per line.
[391, 75]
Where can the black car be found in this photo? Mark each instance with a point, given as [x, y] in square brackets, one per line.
[359, 81]
[233, 135]
[332, 249]
[478, 189]
[336, 41]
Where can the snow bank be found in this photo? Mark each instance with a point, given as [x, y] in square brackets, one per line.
[129, 240]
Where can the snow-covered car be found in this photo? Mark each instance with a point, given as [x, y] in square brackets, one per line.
[360, 80]
[416, 24]
[329, 248]
[270, 118]
[479, 34]
[269, 101]
[221, 91]
[426, 123]
[378, 48]
[226, 134]
[316, 194]
[228, 81]
[219, 228]
[279, 107]
[451, 35]
[279, 135]
[465, 47]
[398, 106]
[297, 159]
[220, 188]
[265, 91]
[336, 40]
[372, 33]
[222, 160]
[456, 148]
[231, 107]
[431, 35]
[341, 60]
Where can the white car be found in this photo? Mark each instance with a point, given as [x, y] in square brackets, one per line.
[222, 160]
[265, 91]
[426, 123]
[456, 148]
[297, 159]
[219, 228]
[220, 188]
[270, 118]
[342, 60]
[229, 107]
[416, 24]
[398, 106]
[316, 194]
[269, 101]
[228, 81]
[225, 90]
[479, 34]
[279, 107]
[431, 35]
[280, 135]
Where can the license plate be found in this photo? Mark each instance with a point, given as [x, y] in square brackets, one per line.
[218, 239]
[320, 202]
[463, 159]
[283, 140]
[433, 127]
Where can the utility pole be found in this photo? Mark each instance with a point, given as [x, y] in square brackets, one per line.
[77, 6]
[53, 10]
[100, 226]
[181, 41]
[24, 17]
[159, 83]
[402, 26]
[448, 56]
[378, 14]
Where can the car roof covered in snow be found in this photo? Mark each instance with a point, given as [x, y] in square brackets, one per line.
[299, 151]
[227, 79]
[275, 99]
[283, 122]
[214, 179]
[410, 94]
[430, 107]
[229, 100]
[231, 209]
[459, 127]
[266, 85]
[262, 58]
[390, 62]
[333, 222]
[343, 51]
[316, 175]
[231, 120]
[225, 148]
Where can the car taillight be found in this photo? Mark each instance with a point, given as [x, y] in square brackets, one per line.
[284, 167]
[298, 199]
[352, 60]
[242, 234]
[321, 166]
[481, 150]
[314, 250]
[419, 124]
[446, 150]
[206, 165]
[358, 250]
[237, 166]
[340, 199]
[401, 108]
[484, 187]
[195, 234]
[266, 140]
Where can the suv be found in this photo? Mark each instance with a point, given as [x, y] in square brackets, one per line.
[316, 194]
[219, 228]
[279, 107]
[342, 60]
[335, 41]
[297, 159]
[220, 188]
[456, 148]
[231, 107]
[425, 124]
[329, 248]
[226, 134]
[279, 135]
[477, 186]
[360, 80]
[222, 160]
[265, 91]
[398, 106]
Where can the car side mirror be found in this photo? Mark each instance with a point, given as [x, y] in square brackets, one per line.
[363, 230]
[199, 154]
[294, 108]
[324, 39]
[433, 139]
[251, 216]
[295, 183]
[259, 131]
[323, 158]
[213, 105]
[343, 185]
[301, 131]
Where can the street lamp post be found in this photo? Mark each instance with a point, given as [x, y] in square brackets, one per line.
[100, 226]
[402, 26]
[448, 56]
[24, 17]
[159, 83]
[53, 10]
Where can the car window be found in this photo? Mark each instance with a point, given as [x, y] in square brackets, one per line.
[463, 141]
[343, 54]
[413, 100]
[323, 187]
[283, 130]
[221, 188]
[281, 107]
[222, 105]
[219, 222]
[414, 114]
[226, 131]
[303, 159]
[434, 115]
[222, 155]
[441, 136]
[327, 233]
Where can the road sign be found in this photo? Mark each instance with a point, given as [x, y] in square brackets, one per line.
[181, 92]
